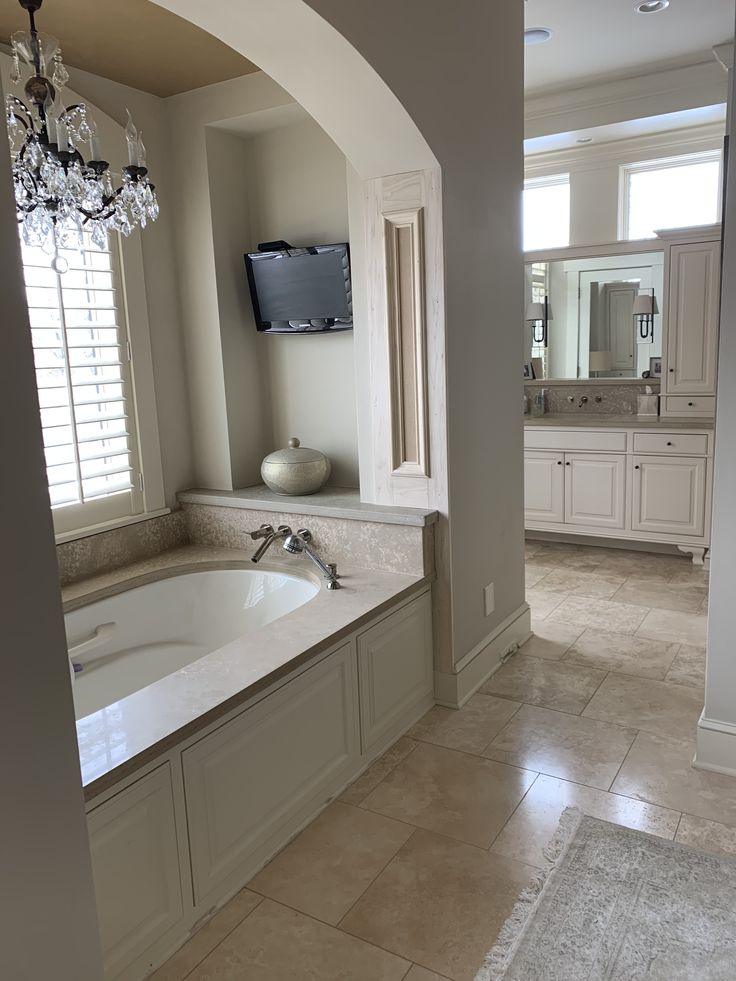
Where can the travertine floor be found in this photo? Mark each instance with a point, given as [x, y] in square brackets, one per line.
[411, 873]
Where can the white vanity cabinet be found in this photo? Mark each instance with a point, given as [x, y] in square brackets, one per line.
[652, 485]
[691, 315]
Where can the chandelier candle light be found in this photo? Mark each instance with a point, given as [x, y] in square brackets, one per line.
[58, 195]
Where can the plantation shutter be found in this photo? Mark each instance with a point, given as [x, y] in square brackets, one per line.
[81, 351]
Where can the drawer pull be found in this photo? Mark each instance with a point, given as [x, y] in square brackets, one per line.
[669, 444]
[691, 404]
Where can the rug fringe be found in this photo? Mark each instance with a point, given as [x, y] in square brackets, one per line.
[500, 955]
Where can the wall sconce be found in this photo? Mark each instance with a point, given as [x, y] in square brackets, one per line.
[599, 362]
[539, 316]
[645, 308]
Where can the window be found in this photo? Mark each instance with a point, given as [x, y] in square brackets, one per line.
[81, 351]
[672, 193]
[547, 212]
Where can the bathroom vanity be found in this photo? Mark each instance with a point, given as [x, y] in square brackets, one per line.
[622, 477]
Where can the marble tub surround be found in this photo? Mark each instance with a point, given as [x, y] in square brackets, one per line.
[85, 557]
[349, 542]
[617, 398]
[145, 724]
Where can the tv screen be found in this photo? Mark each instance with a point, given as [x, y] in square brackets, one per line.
[304, 290]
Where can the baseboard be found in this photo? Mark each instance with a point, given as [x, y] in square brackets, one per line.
[603, 541]
[453, 690]
[715, 747]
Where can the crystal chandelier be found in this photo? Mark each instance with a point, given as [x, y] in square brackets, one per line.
[58, 195]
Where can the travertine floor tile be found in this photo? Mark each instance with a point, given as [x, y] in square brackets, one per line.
[646, 565]
[654, 706]
[552, 553]
[535, 820]
[709, 836]
[562, 745]
[279, 944]
[601, 614]
[421, 974]
[368, 781]
[465, 797]
[553, 684]
[207, 938]
[587, 558]
[332, 862]
[470, 728]
[678, 628]
[550, 640]
[662, 595]
[591, 583]
[659, 769]
[536, 571]
[543, 602]
[688, 668]
[440, 903]
[625, 653]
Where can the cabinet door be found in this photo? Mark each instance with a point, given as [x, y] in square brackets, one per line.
[395, 669]
[544, 486]
[692, 331]
[135, 863]
[595, 489]
[262, 772]
[669, 495]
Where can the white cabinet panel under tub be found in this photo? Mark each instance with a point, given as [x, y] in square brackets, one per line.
[247, 779]
[395, 668]
[135, 863]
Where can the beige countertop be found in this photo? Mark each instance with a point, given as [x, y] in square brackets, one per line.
[565, 420]
[115, 741]
[330, 502]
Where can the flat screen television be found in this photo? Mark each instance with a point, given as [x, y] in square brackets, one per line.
[301, 291]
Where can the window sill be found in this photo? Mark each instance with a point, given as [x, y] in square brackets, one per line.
[71, 536]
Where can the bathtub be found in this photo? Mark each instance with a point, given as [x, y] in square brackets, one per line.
[122, 644]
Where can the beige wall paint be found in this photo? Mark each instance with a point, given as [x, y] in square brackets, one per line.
[298, 192]
[47, 904]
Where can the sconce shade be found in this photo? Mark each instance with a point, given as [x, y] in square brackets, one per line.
[600, 361]
[535, 311]
[645, 305]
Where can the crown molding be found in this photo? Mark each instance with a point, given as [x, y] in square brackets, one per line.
[604, 103]
[696, 139]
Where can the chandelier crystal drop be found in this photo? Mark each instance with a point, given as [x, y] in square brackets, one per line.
[62, 186]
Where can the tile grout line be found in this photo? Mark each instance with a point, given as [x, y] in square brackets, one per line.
[199, 963]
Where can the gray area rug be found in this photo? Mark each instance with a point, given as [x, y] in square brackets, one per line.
[621, 905]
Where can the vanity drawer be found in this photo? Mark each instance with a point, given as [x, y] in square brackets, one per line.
[690, 405]
[574, 439]
[679, 444]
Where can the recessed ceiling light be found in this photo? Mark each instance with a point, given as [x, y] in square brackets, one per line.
[652, 6]
[537, 35]
[584, 139]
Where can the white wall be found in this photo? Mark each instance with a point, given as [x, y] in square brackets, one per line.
[595, 175]
[47, 906]
[298, 192]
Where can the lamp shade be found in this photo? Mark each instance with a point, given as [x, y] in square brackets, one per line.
[599, 361]
[645, 305]
[535, 311]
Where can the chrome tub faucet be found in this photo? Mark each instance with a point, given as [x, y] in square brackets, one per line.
[295, 544]
[268, 536]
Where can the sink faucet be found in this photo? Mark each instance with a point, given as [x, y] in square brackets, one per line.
[269, 536]
[294, 544]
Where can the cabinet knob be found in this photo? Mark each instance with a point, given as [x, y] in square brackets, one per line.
[691, 404]
[559, 463]
[637, 467]
[669, 444]
[672, 371]
[567, 464]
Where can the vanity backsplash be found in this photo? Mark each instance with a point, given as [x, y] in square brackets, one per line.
[615, 400]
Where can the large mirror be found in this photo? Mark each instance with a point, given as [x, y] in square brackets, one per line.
[594, 317]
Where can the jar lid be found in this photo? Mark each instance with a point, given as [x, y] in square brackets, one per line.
[294, 453]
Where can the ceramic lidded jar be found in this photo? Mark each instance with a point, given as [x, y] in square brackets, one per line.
[295, 470]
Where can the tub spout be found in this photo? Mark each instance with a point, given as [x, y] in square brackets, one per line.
[269, 536]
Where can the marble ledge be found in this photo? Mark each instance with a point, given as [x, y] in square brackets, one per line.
[331, 502]
[116, 741]
[569, 420]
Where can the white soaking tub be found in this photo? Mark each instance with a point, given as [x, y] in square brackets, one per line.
[126, 642]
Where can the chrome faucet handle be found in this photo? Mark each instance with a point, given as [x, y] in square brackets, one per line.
[332, 566]
[305, 534]
[283, 531]
[263, 532]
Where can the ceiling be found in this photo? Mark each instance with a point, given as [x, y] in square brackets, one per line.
[134, 42]
[138, 43]
[595, 38]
